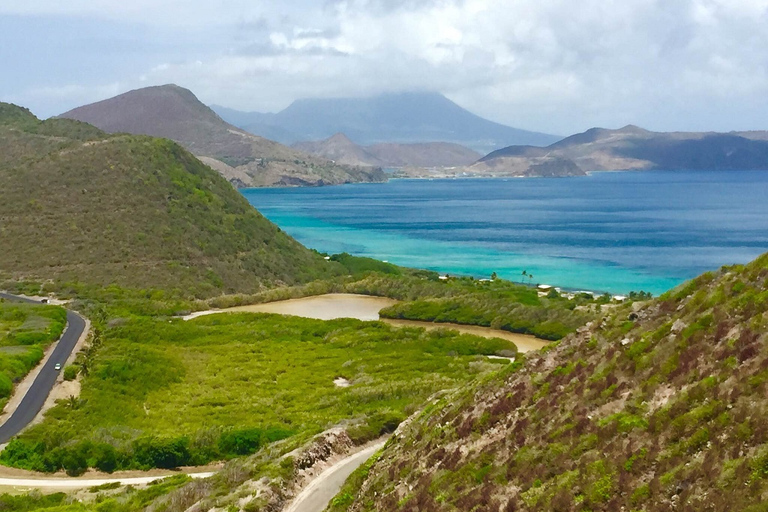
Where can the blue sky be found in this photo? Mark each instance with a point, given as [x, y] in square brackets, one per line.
[551, 65]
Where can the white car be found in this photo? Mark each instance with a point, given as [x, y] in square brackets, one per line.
[57, 366]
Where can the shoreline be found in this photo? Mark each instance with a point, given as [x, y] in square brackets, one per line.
[366, 308]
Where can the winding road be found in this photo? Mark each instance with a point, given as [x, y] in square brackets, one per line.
[314, 498]
[319, 492]
[40, 389]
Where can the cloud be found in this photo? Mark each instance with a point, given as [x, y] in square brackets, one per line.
[555, 66]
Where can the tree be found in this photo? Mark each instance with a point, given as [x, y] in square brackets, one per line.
[74, 462]
[105, 457]
[494, 276]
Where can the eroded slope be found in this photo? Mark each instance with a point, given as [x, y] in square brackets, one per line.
[659, 406]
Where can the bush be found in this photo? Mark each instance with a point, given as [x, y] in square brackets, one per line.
[6, 386]
[240, 442]
[375, 426]
[105, 458]
[70, 372]
[154, 452]
[74, 463]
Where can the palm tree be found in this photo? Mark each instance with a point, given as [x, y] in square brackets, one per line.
[72, 402]
[525, 273]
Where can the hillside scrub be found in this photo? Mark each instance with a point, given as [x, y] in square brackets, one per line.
[225, 385]
[658, 406]
[497, 304]
[26, 330]
[147, 214]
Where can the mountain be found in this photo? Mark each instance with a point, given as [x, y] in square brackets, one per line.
[659, 406]
[388, 118]
[175, 113]
[79, 205]
[257, 123]
[341, 149]
[633, 148]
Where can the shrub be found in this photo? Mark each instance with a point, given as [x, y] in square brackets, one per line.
[70, 372]
[154, 452]
[249, 440]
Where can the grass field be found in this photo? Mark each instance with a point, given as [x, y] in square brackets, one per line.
[164, 392]
[25, 332]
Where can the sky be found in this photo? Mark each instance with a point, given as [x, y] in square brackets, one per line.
[556, 66]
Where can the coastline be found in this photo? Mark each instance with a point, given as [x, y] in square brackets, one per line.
[616, 232]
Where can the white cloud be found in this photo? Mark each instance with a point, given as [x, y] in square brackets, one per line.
[558, 66]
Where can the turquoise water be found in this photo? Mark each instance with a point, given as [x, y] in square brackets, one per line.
[612, 232]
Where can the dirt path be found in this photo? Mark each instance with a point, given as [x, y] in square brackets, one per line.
[81, 483]
[320, 491]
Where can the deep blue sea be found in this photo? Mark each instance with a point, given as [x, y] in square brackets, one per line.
[613, 232]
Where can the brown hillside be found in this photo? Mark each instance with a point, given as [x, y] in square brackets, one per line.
[632, 148]
[341, 150]
[175, 113]
[428, 154]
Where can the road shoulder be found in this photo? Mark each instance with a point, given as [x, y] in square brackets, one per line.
[22, 387]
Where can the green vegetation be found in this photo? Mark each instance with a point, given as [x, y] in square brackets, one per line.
[26, 330]
[659, 405]
[497, 304]
[109, 497]
[225, 385]
[358, 265]
[147, 214]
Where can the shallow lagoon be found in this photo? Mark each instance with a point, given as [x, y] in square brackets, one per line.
[365, 307]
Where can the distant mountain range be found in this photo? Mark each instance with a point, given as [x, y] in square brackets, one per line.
[342, 150]
[629, 148]
[250, 160]
[387, 118]
[245, 159]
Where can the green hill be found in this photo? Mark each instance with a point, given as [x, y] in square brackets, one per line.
[660, 406]
[139, 212]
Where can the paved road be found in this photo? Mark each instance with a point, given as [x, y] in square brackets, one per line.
[37, 394]
[320, 491]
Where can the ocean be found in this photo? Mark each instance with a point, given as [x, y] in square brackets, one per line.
[609, 232]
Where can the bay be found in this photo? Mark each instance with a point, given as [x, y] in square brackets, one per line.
[612, 232]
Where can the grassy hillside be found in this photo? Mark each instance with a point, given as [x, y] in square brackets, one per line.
[133, 211]
[26, 330]
[659, 406]
[23, 137]
[223, 385]
[248, 160]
